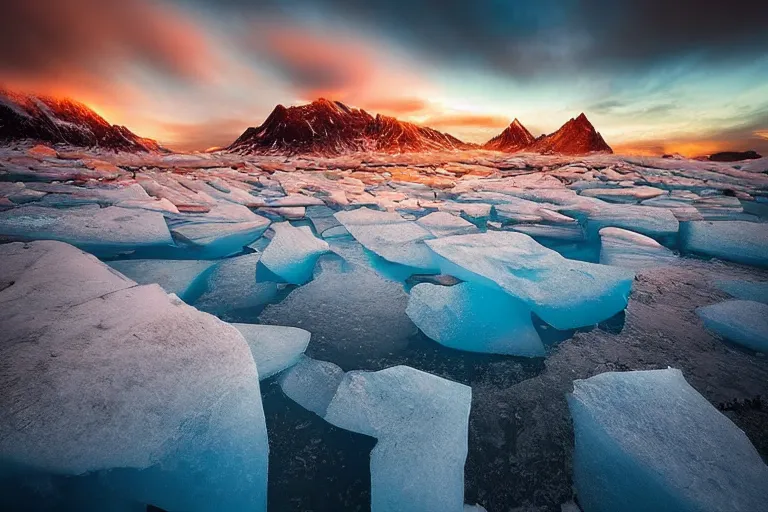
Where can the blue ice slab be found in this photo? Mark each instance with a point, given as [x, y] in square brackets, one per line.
[564, 293]
[157, 399]
[658, 223]
[740, 321]
[100, 231]
[222, 232]
[445, 224]
[311, 383]
[293, 252]
[647, 441]
[627, 249]
[274, 347]
[475, 318]
[745, 290]
[739, 241]
[390, 236]
[421, 422]
[185, 278]
[233, 286]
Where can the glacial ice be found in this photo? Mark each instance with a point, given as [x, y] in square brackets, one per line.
[274, 347]
[421, 423]
[100, 231]
[622, 248]
[184, 278]
[233, 286]
[475, 318]
[83, 384]
[311, 383]
[222, 232]
[739, 241]
[745, 290]
[390, 236]
[564, 293]
[657, 223]
[293, 252]
[646, 440]
[445, 224]
[741, 321]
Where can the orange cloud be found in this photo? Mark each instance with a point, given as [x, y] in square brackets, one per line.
[396, 106]
[465, 120]
[196, 137]
[688, 148]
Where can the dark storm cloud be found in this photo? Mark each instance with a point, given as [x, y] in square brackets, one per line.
[527, 37]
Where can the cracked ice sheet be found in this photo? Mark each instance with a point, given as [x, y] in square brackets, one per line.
[421, 423]
[564, 293]
[101, 231]
[293, 252]
[390, 236]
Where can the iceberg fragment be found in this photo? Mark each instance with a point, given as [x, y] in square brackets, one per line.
[655, 222]
[739, 241]
[646, 440]
[293, 252]
[745, 290]
[564, 293]
[445, 224]
[274, 347]
[100, 231]
[622, 248]
[83, 384]
[311, 383]
[475, 318]
[184, 278]
[390, 236]
[421, 423]
[741, 321]
[233, 288]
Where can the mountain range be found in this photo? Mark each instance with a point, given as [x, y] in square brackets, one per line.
[63, 121]
[323, 128]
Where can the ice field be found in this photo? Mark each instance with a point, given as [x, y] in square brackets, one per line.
[428, 332]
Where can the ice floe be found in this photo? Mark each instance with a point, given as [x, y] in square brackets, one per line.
[741, 321]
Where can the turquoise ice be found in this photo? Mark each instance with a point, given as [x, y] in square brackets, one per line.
[739, 241]
[293, 252]
[740, 321]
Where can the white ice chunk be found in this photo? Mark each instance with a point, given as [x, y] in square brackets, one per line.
[648, 220]
[311, 383]
[646, 440]
[390, 236]
[232, 286]
[293, 252]
[622, 248]
[475, 318]
[163, 404]
[624, 195]
[564, 293]
[421, 422]
[742, 321]
[222, 232]
[274, 347]
[739, 241]
[101, 231]
[185, 278]
[445, 224]
[745, 290]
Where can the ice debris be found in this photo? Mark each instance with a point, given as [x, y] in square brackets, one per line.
[564, 293]
[83, 383]
[622, 248]
[185, 278]
[421, 423]
[274, 347]
[739, 241]
[311, 383]
[475, 318]
[745, 290]
[741, 321]
[646, 440]
[293, 252]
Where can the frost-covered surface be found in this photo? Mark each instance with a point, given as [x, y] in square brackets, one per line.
[742, 321]
[83, 383]
[421, 424]
[520, 439]
[648, 441]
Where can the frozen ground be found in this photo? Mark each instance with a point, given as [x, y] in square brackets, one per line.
[694, 234]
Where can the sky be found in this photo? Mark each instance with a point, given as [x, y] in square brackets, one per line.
[653, 76]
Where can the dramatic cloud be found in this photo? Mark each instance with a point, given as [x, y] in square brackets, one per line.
[47, 40]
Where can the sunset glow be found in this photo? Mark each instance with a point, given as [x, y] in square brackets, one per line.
[194, 74]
